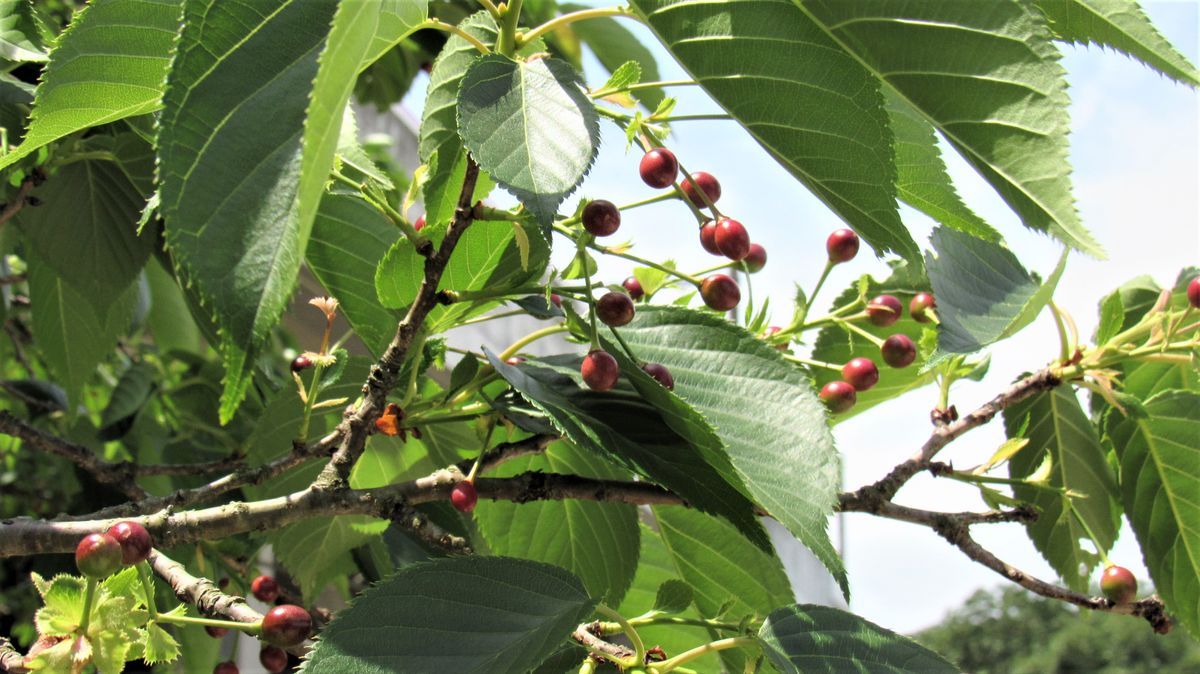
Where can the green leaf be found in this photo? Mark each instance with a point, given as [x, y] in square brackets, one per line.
[440, 145]
[1160, 477]
[621, 426]
[1145, 379]
[598, 542]
[530, 126]
[838, 345]
[615, 45]
[74, 335]
[169, 320]
[485, 615]
[626, 74]
[130, 394]
[1059, 427]
[362, 30]
[833, 133]
[349, 238]
[62, 600]
[109, 64]
[673, 596]
[983, 293]
[20, 39]
[86, 227]
[656, 570]
[808, 638]
[922, 181]
[789, 465]
[230, 156]
[487, 257]
[1112, 315]
[730, 578]
[1122, 25]
[1004, 109]
[311, 550]
[160, 645]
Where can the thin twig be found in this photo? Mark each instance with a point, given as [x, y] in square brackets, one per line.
[18, 202]
[11, 660]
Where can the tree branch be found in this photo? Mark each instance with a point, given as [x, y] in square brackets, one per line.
[382, 379]
[11, 660]
[585, 635]
[13, 207]
[201, 592]
[118, 475]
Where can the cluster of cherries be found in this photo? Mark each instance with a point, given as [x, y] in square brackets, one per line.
[127, 543]
[898, 350]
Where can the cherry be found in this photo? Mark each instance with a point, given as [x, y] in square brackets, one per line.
[707, 183]
[919, 307]
[419, 224]
[661, 373]
[134, 539]
[1193, 292]
[838, 396]
[884, 310]
[98, 555]
[756, 259]
[273, 659]
[720, 292]
[600, 370]
[708, 237]
[860, 373]
[898, 351]
[464, 497]
[634, 288]
[659, 167]
[601, 217]
[842, 245]
[226, 667]
[515, 360]
[772, 331]
[732, 239]
[216, 632]
[556, 300]
[615, 309]
[265, 589]
[301, 363]
[286, 625]
[1118, 584]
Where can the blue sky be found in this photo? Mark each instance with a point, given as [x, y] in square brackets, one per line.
[1134, 147]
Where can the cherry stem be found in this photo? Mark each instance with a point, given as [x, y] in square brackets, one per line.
[624, 346]
[249, 628]
[699, 651]
[591, 300]
[613, 628]
[89, 595]
[859, 331]
[692, 118]
[449, 28]
[639, 648]
[717, 215]
[310, 399]
[491, 8]
[816, 289]
[570, 18]
[812, 363]
[529, 339]
[726, 265]
[666, 196]
[644, 85]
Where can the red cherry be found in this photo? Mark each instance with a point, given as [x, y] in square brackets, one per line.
[216, 632]
[286, 625]
[860, 373]
[98, 555]
[659, 167]
[600, 370]
[884, 310]
[273, 658]
[732, 239]
[265, 589]
[226, 667]
[898, 351]
[419, 224]
[464, 497]
[1193, 292]
[756, 259]
[301, 363]
[515, 360]
[1118, 584]
[720, 292]
[556, 300]
[708, 237]
[615, 309]
[661, 373]
[842, 245]
[601, 217]
[634, 288]
[838, 396]
[919, 307]
[706, 182]
[134, 539]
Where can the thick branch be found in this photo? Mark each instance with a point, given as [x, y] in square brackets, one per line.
[201, 592]
[1042, 380]
[382, 380]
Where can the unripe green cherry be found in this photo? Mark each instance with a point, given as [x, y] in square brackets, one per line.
[1118, 584]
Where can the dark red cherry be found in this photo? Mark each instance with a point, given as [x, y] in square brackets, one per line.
[1118, 584]
[615, 309]
[860, 373]
[732, 239]
[226, 667]
[98, 556]
[265, 589]
[661, 373]
[838, 396]
[884, 310]
[659, 167]
[601, 218]
[898, 351]
[134, 539]
[720, 292]
[600, 370]
[286, 625]
[1193, 293]
[274, 659]
[634, 288]
[464, 496]
[756, 259]
[704, 181]
[842, 245]
[419, 224]
[708, 237]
